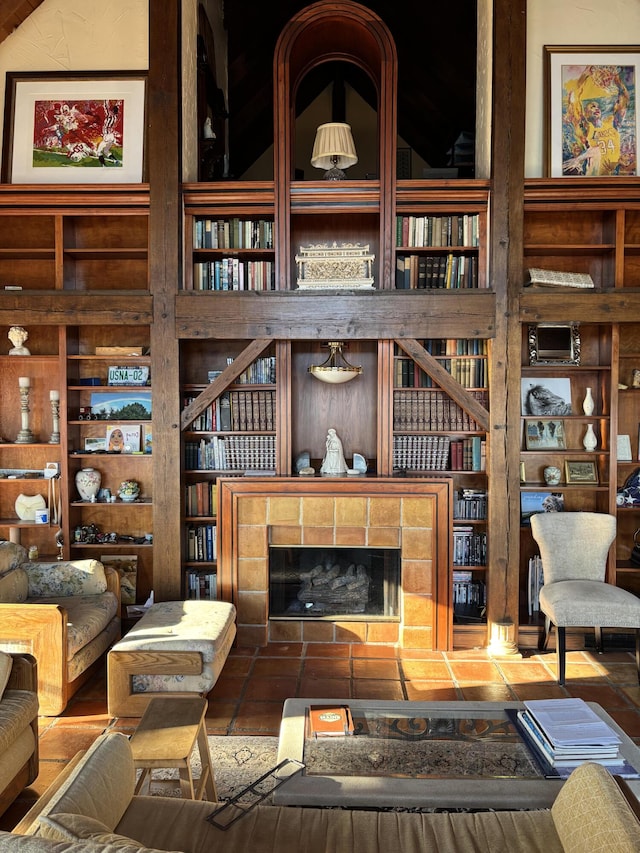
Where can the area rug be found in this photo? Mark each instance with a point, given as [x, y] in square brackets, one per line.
[236, 761]
[421, 747]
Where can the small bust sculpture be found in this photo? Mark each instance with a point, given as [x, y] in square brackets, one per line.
[17, 335]
[333, 462]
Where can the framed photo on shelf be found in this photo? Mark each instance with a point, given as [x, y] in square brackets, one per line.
[74, 128]
[591, 110]
[623, 448]
[545, 434]
[548, 397]
[554, 343]
[121, 407]
[533, 502]
[581, 472]
[123, 438]
[126, 566]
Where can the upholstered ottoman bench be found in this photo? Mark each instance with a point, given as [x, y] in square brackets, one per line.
[176, 648]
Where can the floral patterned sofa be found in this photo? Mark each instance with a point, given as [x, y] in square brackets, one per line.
[66, 614]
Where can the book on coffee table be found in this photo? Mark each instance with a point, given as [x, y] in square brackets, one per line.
[577, 739]
[330, 720]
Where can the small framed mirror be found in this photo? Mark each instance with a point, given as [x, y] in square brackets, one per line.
[554, 343]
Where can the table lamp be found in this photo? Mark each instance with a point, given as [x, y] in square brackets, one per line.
[334, 150]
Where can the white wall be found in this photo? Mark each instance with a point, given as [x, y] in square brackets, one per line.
[569, 22]
[79, 35]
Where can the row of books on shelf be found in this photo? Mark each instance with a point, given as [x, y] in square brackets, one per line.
[231, 453]
[455, 230]
[232, 233]
[201, 542]
[438, 347]
[216, 416]
[470, 503]
[441, 272]
[469, 372]
[563, 733]
[469, 546]
[234, 274]
[433, 410]
[237, 410]
[201, 585]
[200, 498]
[467, 590]
[535, 582]
[262, 371]
[468, 454]
[421, 452]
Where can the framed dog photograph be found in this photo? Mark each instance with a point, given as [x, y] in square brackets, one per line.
[546, 397]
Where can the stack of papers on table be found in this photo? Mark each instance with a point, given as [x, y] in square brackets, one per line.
[564, 733]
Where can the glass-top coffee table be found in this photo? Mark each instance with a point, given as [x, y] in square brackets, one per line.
[419, 754]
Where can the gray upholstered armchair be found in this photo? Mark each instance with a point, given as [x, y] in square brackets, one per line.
[574, 548]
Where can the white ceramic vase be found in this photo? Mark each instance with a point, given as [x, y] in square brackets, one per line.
[88, 483]
[590, 441]
[587, 404]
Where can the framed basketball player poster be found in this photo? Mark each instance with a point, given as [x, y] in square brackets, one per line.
[591, 105]
[74, 127]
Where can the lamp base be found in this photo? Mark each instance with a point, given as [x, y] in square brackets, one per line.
[334, 174]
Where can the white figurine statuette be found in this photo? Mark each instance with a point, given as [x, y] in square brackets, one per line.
[333, 463]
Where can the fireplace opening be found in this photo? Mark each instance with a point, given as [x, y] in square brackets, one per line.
[330, 582]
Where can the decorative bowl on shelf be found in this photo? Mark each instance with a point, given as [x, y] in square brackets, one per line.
[129, 490]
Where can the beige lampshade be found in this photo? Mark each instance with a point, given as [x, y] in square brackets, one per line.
[334, 146]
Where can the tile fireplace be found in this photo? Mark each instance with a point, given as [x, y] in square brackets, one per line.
[312, 582]
[363, 527]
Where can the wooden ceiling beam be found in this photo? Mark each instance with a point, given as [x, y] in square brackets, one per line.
[13, 13]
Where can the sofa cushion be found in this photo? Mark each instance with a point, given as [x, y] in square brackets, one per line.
[265, 829]
[17, 709]
[28, 844]
[6, 663]
[94, 649]
[73, 827]
[87, 616]
[16, 755]
[100, 786]
[592, 816]
[66, 578]
[14, 586]
[11, 555]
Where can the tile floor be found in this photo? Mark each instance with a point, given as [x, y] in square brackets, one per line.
[248, 696]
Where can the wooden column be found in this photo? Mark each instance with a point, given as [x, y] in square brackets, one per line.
[164, 158]
[507, 157]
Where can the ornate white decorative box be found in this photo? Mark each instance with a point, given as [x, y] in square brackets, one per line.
[325, 267]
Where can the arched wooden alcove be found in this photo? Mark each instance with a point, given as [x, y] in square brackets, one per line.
[325, 32]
